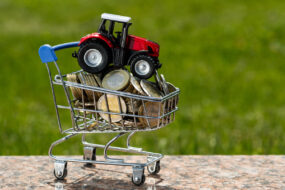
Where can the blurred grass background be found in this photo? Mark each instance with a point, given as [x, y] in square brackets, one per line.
[227, 57]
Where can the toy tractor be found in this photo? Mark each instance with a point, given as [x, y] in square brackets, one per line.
[98, 50]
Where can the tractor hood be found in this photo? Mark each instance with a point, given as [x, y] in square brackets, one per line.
[136, 43]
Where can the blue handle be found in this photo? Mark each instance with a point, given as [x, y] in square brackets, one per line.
[47, 52]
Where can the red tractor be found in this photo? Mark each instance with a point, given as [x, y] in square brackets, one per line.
[98, 50]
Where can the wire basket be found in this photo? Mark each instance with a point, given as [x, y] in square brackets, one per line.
[87, 118]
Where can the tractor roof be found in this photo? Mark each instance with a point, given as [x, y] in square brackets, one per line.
[117, 18]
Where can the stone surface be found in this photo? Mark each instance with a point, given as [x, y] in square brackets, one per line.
[177, 172]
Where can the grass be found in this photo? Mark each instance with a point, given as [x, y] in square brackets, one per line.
[227, 57]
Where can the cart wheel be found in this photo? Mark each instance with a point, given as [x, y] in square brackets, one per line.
[138, 177]
[154, 168]
[89, 154]
[138, 181]
[60, 170]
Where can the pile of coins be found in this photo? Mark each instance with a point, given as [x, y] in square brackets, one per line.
[121, 80]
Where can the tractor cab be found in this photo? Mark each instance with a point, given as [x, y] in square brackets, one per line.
[115, 28]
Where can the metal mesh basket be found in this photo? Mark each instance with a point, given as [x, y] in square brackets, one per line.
[87, 118]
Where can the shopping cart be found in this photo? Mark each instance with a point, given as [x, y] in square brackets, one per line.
[86, 119]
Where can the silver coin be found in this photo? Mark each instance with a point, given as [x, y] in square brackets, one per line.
[150, 89]
[164, 85]
[116, 80]
[136, 84]
[158, 81]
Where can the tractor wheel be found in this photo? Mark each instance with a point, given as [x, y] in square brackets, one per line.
[142, 66]
[93, 57]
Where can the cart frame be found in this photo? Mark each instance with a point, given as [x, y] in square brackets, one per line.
[81, 122]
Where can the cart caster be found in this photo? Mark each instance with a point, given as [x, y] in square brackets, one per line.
[154, 168]
[89, 154]
[60, 170]
[138, 182]
[138, 177]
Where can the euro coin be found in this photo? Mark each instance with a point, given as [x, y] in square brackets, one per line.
[150, 89]
[150, 109]
[76, 92]
[116, 80]
[113, 103]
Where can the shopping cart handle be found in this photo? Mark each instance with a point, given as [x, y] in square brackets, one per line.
[47, 52]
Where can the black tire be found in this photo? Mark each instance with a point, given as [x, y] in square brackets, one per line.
[88, 66]
[139, 183]
[157, 169]
[63, 175]
[137, 60]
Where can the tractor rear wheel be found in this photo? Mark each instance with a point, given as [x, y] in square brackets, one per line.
[142, 66]
[93, 57]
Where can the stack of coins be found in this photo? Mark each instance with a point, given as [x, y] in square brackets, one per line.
[90, 80]
[76, 92]
[123, 80]
[86, 79]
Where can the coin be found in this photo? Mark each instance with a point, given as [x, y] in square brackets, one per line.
[76, 92]
[98, 79]
[86, 104]
[130, 88]
[130, 123]
[133, 107]
[114, 106]
[136, 84]
[88, 79]
[116, 80]
[164, 85]
[150, 89]
[158, 81]
[170, 87]
[92, 126]
[151, 109]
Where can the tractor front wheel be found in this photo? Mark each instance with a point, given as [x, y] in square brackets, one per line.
[93, 57]
[142, 66]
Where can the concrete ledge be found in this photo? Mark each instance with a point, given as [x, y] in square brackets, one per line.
[177, 172]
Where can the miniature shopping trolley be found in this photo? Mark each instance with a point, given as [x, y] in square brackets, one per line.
[86, 119]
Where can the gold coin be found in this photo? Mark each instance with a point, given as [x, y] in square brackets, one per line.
[86, 104]
[88, 79]
[136, 84]
[98, 79]
[130, 88]
[151, 109]
[76, 92]
[92, 126]
[175, 99]
[170, 87]
[150, 89]
[93, 82]
[132, 108]
[130, 123]
[116, 80]
[114, 106]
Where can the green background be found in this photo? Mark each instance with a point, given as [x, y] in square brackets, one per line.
[227, 57]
